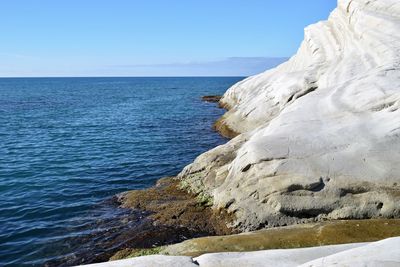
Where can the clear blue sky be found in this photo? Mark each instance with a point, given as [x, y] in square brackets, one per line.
[151, 37]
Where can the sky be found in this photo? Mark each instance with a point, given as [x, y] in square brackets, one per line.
[44, 38]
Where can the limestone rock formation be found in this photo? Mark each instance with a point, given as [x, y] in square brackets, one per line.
[381, 253]
[319, 134]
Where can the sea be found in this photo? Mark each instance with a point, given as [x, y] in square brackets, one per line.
[69, 145]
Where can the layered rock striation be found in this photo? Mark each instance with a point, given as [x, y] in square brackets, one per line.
[319, 136]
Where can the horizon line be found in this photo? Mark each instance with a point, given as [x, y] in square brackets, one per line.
[183, 76]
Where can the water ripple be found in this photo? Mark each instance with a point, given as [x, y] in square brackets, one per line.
[67, 145]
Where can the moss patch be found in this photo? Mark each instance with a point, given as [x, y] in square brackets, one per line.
[221, 127]
[297, 236]
[131, 253]
[172, 206]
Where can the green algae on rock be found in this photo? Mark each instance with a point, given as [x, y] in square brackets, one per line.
[222, 127]
[170, 205]
[295, 236]
[135, 252]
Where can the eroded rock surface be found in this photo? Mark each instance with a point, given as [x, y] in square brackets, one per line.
[319, 134]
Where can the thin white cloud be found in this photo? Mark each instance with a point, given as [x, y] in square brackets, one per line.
[233, 66]
[18, 56]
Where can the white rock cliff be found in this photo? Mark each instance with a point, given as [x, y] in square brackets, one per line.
[320, 134]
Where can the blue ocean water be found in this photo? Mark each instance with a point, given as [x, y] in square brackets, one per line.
[69, 144]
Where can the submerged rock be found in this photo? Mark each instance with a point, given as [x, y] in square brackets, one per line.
[211, 98]
[169, 205]
[319, 134]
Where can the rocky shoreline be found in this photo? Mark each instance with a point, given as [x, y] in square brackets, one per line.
[166, 213]
[173, 213]
[220, 126]
[211, 98]
[152, 218]
[170, 207]
[315, 139]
